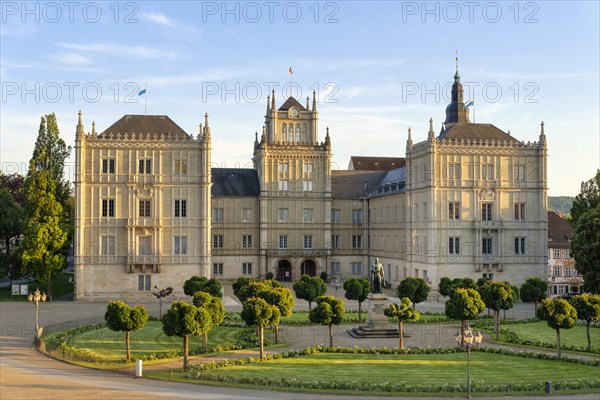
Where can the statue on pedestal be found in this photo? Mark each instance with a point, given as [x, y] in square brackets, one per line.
[377, 277]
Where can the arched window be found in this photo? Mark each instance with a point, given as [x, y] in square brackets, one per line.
[297, 133]
[291, 129]
[284, 132]
[305, 133]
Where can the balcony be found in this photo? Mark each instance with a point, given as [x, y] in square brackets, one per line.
[143, 262]
[490, 225]
[297, 252]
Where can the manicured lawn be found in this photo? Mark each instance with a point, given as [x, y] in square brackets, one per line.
[413, 368]
[540, 331]
[60, 287]
[110, 345]
[349, 317]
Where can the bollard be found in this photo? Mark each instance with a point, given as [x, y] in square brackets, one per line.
[138, 369]
[548, 387]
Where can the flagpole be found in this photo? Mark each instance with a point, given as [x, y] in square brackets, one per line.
[145, 99]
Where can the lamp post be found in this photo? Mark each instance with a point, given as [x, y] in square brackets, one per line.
[469, 340]
[35, 298]
[337, 283]
[160, 293]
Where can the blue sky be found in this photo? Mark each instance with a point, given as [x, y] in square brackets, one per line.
[378, 67]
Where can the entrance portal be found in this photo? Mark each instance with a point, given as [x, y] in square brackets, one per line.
[284, 271]
[309, 267]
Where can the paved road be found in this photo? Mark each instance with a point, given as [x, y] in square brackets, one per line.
[24, 373]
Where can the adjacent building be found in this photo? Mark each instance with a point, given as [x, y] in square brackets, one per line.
[150, 210]
[563, 277]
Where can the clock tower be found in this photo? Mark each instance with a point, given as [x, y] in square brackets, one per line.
[294, 171]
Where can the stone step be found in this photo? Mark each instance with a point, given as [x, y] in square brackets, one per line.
[366, 332]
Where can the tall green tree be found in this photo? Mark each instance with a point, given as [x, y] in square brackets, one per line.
[257, 312]
[120, 317]
[357, 289]
[559, 314]
[310, 288]
[401, 312]
[329, 311]
[587, 199]
[447, 285]
[588, 309]
[464, 305]
[216, 311]
[534, 290]
[202, 284]
[184, 319]
[239, 283]
[282, 298]
[48, 210]
[497, 296]
[416, 289]
[11, 228]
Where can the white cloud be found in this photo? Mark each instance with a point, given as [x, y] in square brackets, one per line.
[160, 19]
[121, 50]
[72, 59]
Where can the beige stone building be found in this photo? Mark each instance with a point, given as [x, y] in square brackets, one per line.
[563, 278]
[467, 202]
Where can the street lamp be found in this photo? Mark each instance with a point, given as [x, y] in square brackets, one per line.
[469, 340]
[337, 283]
[35, 298]
[160, 293]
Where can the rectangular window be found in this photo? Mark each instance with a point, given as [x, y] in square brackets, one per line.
[180, 245]
[357, 216]
[486, 212]
[557, 253]
[246, 241]
[217, 215]
[519, 211]
[308, 215]
[283, 241]
[144, 208]
[108, 207]
[520, 246]
[145, 245]
[247, 269]
[486, 246]
[108, 245]
[180, 208]
[335, 241]
[487, 172]
[180, 167]
[307, 185]
[283, 176]
[308, 241]
[454, 245]
[145, 166]
[144, 283]
[335, 216]
[453, 171]
[217, 241]
[356, 268]
[247, 215]
[283, 215]
[561, 289]
[567, 253]
[283, 185]
[356, 241]
[568, 271]
[454, 211]
[519, 172]
[217, 268]
[335, 268]
[108, 165]
[556, 271]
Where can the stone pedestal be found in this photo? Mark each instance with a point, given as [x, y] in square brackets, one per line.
[377, 323]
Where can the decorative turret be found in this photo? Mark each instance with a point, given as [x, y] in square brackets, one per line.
[206, 128]
[200, 132]
[273, 108]
[542, 140]
[307, 103]
[327, 138]
[263, 138]
[314, 107]
[80, 131]
[409, 142]
[268, 104]
[94, 128]
[431, 133]
[456, 112]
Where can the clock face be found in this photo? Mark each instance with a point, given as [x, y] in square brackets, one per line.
[294, 112]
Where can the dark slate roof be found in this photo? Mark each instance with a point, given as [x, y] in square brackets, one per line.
[359, 163]
[560, 231]
[351, 184]
[289, 103]
[468, 131]
[235, 182]
[154, 124]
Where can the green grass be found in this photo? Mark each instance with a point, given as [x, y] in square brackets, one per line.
[540, 331]
[60, 287]
[110, 346]
[298, 318]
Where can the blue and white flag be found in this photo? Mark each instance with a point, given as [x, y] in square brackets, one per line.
[143, 91]
[469, 103]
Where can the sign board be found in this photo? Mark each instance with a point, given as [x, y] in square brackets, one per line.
[16, 289]
[25, 289]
